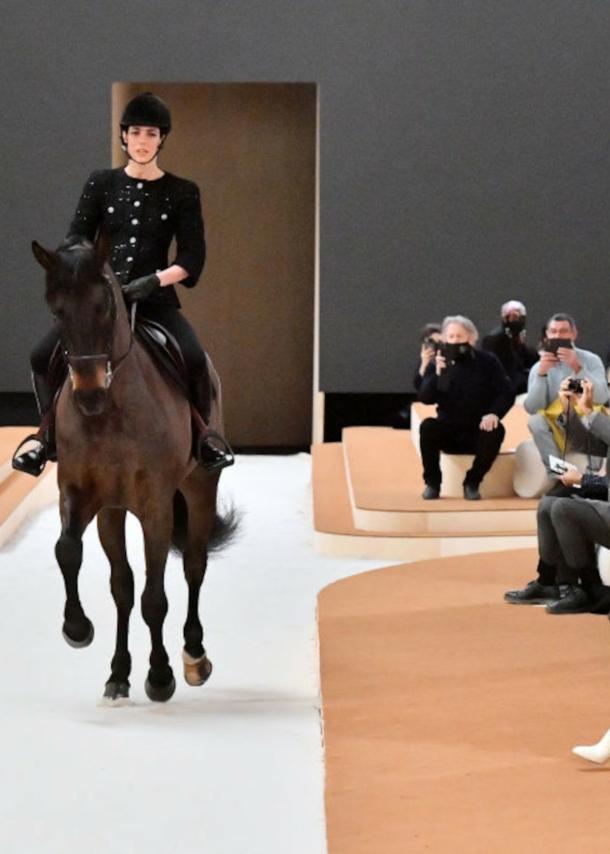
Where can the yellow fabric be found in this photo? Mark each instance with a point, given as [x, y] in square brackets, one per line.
[552, 413]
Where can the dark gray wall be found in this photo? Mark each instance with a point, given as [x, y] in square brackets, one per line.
[463, 152]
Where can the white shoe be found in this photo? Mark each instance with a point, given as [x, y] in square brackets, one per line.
[598, 753]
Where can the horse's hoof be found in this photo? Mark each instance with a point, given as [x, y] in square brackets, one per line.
[78, 639]
[116, 691]
[196, 670]
[120, 703]
[161, 693]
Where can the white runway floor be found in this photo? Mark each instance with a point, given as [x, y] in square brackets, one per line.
[233, 767]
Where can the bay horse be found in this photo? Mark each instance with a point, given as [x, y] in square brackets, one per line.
[124, 442]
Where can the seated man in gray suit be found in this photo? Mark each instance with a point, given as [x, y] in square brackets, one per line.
[570, 526]
[559, 360]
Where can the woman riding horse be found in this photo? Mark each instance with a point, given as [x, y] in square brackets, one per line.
[124, 445]
[141, 208]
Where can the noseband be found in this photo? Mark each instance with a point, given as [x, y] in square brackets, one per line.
[75, 361]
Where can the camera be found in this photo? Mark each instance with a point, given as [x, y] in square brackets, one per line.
[430, 342]
[575, 386]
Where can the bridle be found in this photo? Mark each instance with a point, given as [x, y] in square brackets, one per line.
[112, 365]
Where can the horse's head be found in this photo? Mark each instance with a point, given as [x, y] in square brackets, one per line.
[81, 298]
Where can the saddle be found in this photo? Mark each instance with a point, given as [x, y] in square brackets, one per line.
[165, 350]
[168, 357]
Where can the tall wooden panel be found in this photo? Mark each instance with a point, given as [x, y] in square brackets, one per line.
[252, 150]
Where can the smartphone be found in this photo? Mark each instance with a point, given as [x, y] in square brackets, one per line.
[553, 344]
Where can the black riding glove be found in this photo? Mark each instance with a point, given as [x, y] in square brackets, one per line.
[141, 288]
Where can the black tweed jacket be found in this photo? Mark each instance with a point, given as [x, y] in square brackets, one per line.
[142, 218]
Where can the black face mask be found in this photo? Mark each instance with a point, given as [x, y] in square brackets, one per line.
[457, 352]
[513, 328]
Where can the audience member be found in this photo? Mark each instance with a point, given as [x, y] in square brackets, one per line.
[542, 341]
[430, 338]
[559, 360]
[472, 393]
[570, 528]
[507, 341]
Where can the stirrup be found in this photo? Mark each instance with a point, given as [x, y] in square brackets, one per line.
[212, 458]
[31, 462]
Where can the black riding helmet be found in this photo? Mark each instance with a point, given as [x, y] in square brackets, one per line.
[146, 110]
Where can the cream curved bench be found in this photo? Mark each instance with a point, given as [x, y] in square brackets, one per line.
[530, 477]
[603, 564]
[499, 481]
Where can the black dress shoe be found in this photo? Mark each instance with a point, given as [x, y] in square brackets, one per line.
[33, 461]
[431, 492]
[572, 600]
[534, 593]
[212, 458]
[471, 492]
[600, 601]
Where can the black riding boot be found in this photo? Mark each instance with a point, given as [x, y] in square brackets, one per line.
[207, 455]
[33, 461]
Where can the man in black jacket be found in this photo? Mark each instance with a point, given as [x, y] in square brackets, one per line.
[473, 394]
[507, 341]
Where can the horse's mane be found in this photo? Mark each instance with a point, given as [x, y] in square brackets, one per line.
[76, 264]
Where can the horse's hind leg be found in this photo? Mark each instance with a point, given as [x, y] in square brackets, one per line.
[197, 666]
[77, 628]
[111, 528]
[200, 494]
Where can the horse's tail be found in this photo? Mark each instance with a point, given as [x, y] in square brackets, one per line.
[226, 526]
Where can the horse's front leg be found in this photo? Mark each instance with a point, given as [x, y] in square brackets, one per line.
[160, 683]
[111, 529]
[75, 516]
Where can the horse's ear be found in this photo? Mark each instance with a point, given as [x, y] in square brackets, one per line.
[102, 246]
[44, 257]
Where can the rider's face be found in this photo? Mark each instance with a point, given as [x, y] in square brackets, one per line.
[142, 143]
